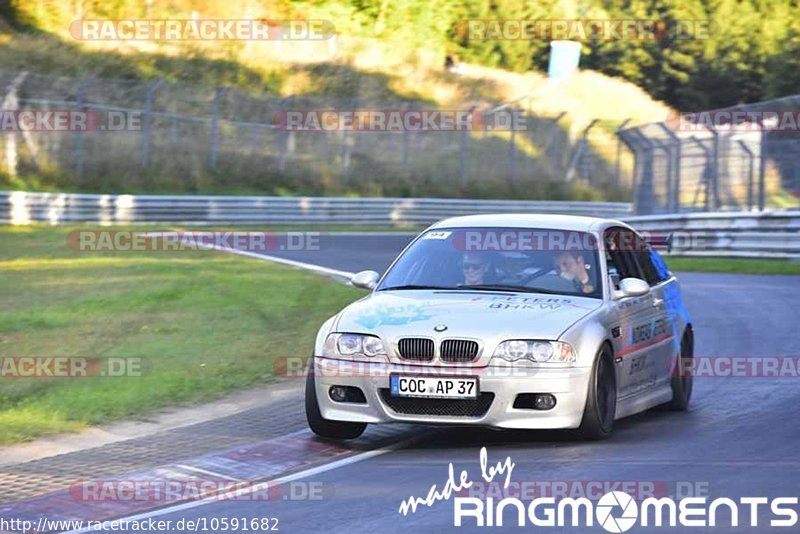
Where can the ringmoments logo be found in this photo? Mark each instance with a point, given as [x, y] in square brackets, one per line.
[615, 511]
[617, 500]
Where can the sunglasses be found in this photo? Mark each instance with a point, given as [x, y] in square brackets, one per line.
[473, 266]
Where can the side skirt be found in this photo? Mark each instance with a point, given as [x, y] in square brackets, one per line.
[643, 401]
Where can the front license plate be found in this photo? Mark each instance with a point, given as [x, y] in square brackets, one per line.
[434, 387]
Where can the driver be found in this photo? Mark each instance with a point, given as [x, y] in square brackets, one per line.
[475, 267]
[572, 267]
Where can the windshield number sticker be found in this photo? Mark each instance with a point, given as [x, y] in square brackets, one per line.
[437, 235]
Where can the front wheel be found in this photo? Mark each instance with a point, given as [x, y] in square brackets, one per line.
[682, 376]
[601, 400]
[325, 427]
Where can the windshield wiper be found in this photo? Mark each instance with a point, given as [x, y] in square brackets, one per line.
[413, 286]
[513, 289]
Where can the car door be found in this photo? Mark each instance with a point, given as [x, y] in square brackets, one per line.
[636, 360]
[662, 334]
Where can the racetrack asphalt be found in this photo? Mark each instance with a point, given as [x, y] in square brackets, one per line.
[740, 437]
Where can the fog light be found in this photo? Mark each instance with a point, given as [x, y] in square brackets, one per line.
[544, 401]
[535, 401]
[347, 394]
[338, 393]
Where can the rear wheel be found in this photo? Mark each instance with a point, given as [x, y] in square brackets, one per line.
[682, 376]
[325, 427]
[601, 400]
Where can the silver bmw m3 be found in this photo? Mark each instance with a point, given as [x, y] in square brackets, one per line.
[507, 321]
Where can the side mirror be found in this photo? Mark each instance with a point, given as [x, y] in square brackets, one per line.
[632, 287]
[365, 279]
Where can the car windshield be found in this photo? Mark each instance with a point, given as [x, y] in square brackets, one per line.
[499, 259]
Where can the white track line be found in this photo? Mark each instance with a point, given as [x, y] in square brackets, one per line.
[281, 480]
[349, 460]
[205, 472]
[299, 264]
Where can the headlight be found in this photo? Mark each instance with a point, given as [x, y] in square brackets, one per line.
[337, 345]
[551, 352]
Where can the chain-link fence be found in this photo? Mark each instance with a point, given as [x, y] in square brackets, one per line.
[741, 158]
[178, 137]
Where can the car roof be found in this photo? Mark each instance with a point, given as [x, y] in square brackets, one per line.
[530, 220]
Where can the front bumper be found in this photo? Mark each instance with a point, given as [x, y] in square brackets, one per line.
[568, 385]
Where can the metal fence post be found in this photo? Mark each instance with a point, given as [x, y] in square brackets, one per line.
[668, 184]
[512, 154]
[10, 102]
[344, 152]
[618, 163]
[585, 160]
[549, 144]
[644, 193]
[148, 121]
[677, 184]
[626, 138]
[715, 175]
[358, 140]
[283, 134]
[406, 142]
[706, 179]
[762, 169]
[253, 139]
[462, 158]
[219, 94]
[581, 147]
[750, 170]
[463, 153]
[673, 177]
[86, 82]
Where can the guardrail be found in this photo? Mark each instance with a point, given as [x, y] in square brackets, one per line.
[20, 207]
[743, 234]
[773, 234]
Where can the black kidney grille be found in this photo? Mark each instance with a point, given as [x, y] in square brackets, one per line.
[447, 407]
[458, 350]
[418, 349]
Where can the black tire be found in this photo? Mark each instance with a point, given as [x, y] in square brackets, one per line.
[601, 400]
[324, 427]
[682, 376]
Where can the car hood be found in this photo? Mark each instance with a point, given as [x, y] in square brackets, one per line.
[489, 317]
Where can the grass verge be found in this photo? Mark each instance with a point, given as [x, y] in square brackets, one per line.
[732, 265]
[203, 323]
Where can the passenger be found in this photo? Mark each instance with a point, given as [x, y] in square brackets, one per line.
[572, 267]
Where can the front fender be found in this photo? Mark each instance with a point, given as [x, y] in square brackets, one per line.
[322, 334]
[586, 337]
